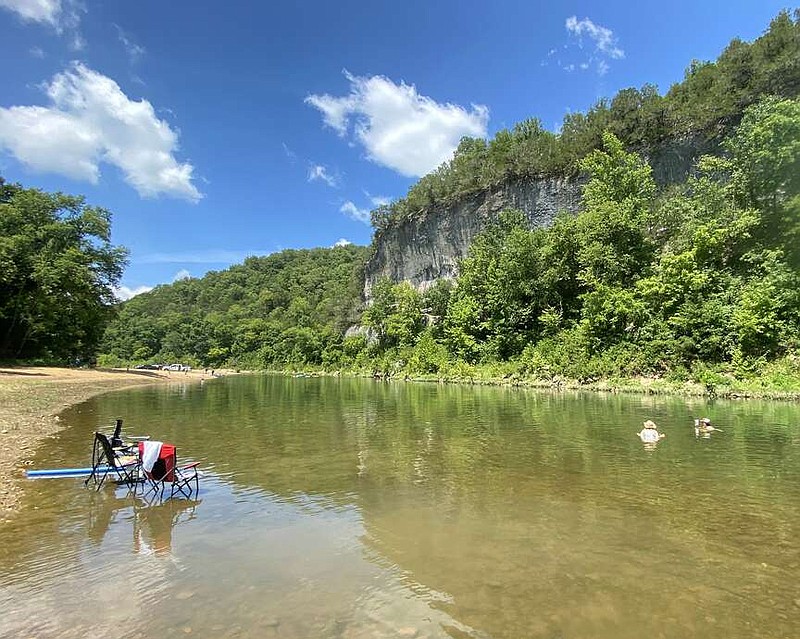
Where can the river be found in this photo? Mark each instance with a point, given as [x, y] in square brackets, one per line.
[354, 508]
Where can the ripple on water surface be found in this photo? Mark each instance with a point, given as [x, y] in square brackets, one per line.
[347, 508]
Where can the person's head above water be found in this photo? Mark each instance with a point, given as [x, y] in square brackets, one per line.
[650, 424]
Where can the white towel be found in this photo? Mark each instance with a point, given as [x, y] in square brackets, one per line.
[150, 451]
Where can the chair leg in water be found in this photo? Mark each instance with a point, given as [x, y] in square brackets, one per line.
[106, 460]
[165, 475]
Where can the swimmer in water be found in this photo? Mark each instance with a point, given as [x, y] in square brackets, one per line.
[649, 434]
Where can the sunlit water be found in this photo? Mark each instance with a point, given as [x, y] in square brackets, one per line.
[351, 508]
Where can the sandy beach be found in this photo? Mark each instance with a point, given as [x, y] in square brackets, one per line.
[31, 399]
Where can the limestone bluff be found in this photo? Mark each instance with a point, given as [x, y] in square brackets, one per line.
[429, 246]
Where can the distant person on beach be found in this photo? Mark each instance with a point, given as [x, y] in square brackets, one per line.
[649, 434]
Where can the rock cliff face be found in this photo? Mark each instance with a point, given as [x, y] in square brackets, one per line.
[425, 249]
[428, 248]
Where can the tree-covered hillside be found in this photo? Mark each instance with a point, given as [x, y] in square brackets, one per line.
[707, 104]
[697, 281]
[291, 306]
[700, 279]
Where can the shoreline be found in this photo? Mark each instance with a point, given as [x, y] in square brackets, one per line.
[31, 400]
[628, 386]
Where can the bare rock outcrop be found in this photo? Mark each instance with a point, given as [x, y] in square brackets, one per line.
[429, 246]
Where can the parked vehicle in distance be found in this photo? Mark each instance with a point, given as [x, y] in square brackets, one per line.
[148, 367]
[176, 367]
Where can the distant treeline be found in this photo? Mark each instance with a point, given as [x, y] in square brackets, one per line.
[292, 306]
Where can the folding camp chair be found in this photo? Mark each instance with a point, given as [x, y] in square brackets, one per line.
[164, 474]
[106, 459]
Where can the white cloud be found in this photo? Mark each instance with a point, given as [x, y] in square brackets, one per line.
[63, 16]
[183, 274]
[342, 242]
[603, 38]
[47, 11]
[208, 256]
[399, 128]
[378, 200]
[573, 55]
[135, 51]
[289, 153]
[319, 172]
[352, 211]
[36, 52]
[91, 121]
[123, 293]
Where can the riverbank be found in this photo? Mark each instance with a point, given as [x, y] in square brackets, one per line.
[31, 399]
[636, 386]
[770, 385]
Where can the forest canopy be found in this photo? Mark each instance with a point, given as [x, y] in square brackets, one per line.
[293, 306]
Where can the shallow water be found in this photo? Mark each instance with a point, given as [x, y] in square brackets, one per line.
[353, 508]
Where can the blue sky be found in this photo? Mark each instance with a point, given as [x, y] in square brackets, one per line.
[214, 132]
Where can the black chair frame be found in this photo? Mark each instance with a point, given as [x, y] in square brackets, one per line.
[107, 460]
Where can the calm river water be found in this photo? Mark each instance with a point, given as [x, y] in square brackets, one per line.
[352, 508]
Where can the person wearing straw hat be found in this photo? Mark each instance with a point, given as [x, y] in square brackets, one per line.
[649, 434]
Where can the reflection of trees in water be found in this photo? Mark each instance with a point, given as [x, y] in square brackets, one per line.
[347, 439]
[533, 505]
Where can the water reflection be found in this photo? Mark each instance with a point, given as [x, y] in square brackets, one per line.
[338, 508]
[152, 523]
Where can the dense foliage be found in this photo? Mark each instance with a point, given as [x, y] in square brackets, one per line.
[705, 105]
[57, 274]
[637, 283]
[641, 282]
[686, 282]
[293, 306]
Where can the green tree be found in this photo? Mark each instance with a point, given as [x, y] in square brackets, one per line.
[58, 270]
[614, 245]
[242, 315]
[766, 153]
[405, 321]
[395, 314]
